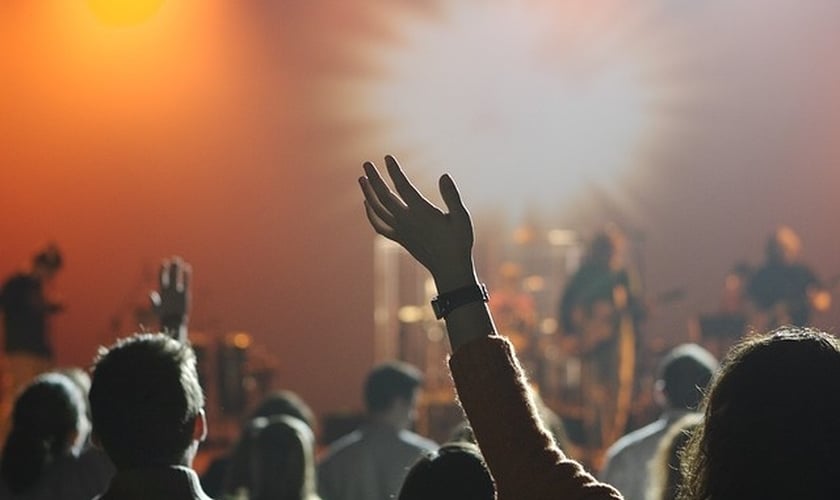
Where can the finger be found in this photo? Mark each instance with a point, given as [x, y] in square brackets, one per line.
[404, 187]
[179, 269]
[174, 269]
[163, 278]
[386, 197]
[379, 225]
[154, 299]
[186, 277]
[373, 201]
[451, 196]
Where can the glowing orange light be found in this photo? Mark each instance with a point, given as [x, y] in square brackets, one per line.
[124, 12]
[241, 340]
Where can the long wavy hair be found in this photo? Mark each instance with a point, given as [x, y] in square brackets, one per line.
[46, 417]
[770, 429]
[664, 476]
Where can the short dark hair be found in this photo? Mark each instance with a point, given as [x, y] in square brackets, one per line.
[390, 382]
[455, 471]
[144, 400]
[685, 372]
[770, 427]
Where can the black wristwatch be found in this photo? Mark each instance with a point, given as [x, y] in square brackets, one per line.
[447, 302]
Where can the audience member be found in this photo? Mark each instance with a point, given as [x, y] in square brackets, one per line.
[371, 462]
[148, 416]
[683, 375]
[770, 429]
[455, 472]
[664, 477]
[276, 404]
[49, 426]
[523, 458]
[274, 461]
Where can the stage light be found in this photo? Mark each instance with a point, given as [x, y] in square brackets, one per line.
[124, 12]
[240, 340]
[411, 314]
[519, 99]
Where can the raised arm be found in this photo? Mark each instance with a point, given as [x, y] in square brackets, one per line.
[171, 303]
[521, 455]
[442, 242]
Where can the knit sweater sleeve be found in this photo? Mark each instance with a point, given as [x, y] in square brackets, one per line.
[521, 455]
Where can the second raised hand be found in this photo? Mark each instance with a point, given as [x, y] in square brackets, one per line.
[442, 242]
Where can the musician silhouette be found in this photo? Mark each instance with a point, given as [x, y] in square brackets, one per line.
[599, 314]
[785, 291]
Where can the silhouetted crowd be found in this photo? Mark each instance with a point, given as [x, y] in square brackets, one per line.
[759, 425]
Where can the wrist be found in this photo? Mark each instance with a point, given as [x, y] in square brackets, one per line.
[446, 303]
[173, 321]
[178, 333]
[456, 277]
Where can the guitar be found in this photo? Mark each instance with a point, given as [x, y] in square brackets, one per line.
[598, 323]
[788, 312]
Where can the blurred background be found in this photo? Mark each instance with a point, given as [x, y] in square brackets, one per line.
[232, 133]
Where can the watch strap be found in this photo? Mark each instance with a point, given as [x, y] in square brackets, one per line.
[447, 302]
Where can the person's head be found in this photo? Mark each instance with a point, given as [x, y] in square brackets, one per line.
[455, 472]
[783, 246]
[391, 391]
[274, 460]
[47, 262]
[146, 403]
[285, 403]
[683, 375]
[48, 421]
[607, 247]
[770, 428]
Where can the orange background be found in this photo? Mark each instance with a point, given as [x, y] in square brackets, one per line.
[204, 132]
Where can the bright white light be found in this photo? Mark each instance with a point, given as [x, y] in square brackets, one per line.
[510, 96]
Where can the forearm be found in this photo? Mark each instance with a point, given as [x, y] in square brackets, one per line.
[521, 454]
[495, 396]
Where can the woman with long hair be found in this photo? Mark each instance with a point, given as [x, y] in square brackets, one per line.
[770, 427]
[49, 426]
[273, 461]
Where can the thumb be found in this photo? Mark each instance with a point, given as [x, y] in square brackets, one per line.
[451, 196]
[155, 301]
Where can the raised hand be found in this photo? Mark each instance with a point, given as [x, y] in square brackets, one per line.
[442, 242]
[171, 302]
